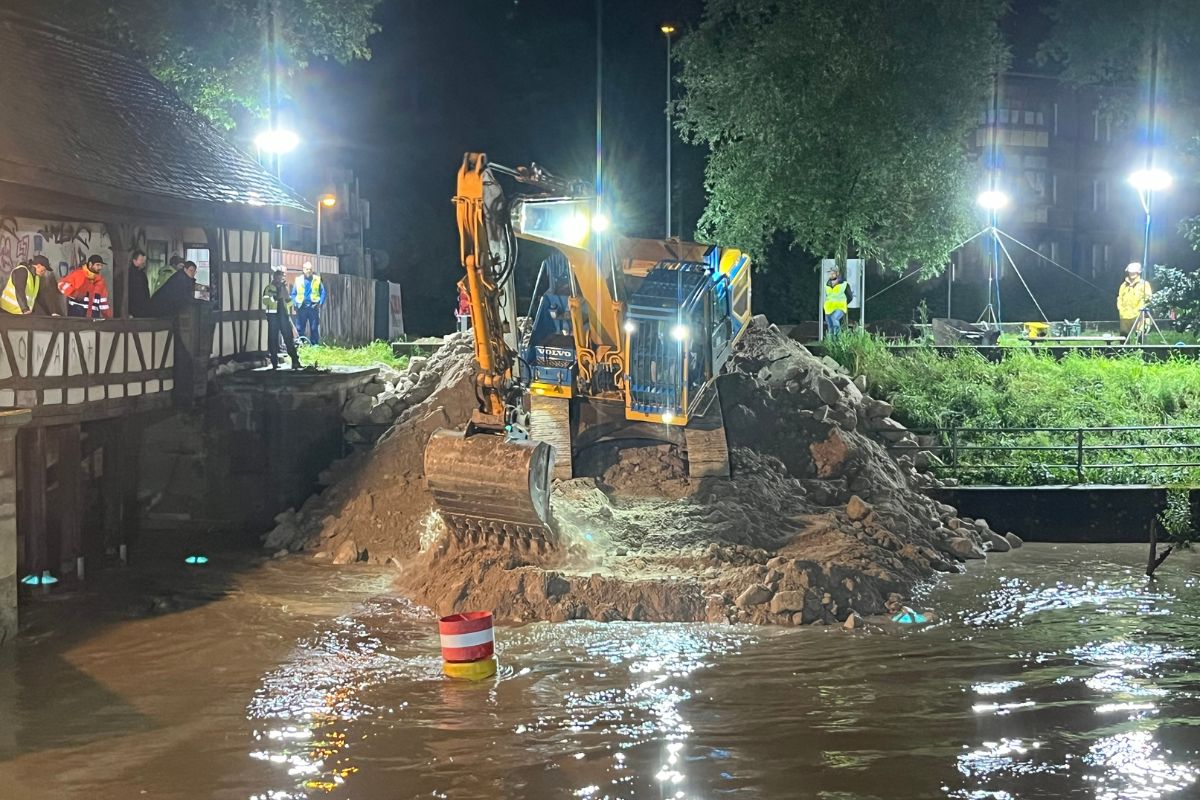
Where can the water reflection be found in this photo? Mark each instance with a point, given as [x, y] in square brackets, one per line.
[1064, 687]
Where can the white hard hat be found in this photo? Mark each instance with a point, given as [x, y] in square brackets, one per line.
[1134, 268]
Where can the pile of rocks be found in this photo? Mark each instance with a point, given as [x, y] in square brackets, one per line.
[819, 523]
[373, 407]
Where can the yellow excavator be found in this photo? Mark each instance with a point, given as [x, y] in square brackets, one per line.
[623, 340]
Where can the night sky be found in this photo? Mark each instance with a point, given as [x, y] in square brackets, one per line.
[513, 78]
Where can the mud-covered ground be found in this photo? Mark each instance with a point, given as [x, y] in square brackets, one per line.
[818, 523]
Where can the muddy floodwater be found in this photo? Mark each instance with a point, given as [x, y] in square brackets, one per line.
[1050, 672]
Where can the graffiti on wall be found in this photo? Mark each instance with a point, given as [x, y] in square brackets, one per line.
[66, 244]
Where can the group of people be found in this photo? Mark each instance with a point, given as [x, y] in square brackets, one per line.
[83, 292]
[303, 300]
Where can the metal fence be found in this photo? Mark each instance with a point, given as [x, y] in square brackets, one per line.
[1068, 450]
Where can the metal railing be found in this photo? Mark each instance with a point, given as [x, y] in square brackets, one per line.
[1078, 450]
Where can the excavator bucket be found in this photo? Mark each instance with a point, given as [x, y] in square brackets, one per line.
[489, 488]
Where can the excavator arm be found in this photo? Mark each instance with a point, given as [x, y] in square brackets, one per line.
[491, 481]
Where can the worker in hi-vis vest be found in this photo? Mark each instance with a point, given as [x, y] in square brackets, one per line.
[1133, 296]
[837, 301]
[30, 289]
[308, 295]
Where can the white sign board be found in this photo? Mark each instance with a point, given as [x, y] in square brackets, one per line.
[395, 311]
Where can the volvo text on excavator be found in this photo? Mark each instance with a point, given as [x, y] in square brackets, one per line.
[624, 341]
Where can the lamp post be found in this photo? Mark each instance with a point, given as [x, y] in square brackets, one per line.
[277, 141]
[1147, 182]
[667, 30]
[992, 200]
[325, 201]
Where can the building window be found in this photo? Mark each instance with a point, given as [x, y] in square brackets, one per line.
[1101, 256]
[1101, 127]
[1056, 119]
[200, 255]
[1054, 188]
[1099, 195]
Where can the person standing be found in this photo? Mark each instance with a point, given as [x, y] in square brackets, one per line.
[1132, 297]
[86, 292]
[163, 273]
[277, 302]
[30, 290]
[176, 293]
[837, 301]
[308, 295]
[139, 285]
[463, 312]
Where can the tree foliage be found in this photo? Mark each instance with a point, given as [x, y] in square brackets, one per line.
[219, 54]
[842, 125]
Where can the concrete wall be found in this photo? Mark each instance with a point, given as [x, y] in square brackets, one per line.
[1064, 513]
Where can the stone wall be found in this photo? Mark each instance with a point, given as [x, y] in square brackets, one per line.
[10, 420]
[254, 448]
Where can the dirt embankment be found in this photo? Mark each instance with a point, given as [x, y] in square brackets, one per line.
[818, 522]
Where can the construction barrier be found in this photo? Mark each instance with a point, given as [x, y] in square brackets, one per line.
[468, 645]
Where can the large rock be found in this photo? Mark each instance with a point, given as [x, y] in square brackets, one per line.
[828, 391]
[416, 364]
[358, 409]
[381, 414]
[998, 543]
[754, 595]
[791, 600]
[1014, 540]
[876, 409]
[857, 509]
[964, 548]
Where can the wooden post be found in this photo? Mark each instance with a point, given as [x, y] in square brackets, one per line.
[70, 494]
[31, 509]
[10, 420]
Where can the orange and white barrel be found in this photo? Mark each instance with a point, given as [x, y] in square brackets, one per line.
[468, 645]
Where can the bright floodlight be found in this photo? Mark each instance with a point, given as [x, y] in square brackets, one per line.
[992, 199]
[277, 140]
[1150, 180]
[630, 326]
[667, 29]
[668, 417]
[600, 223]
[329, 201]
[679, 333]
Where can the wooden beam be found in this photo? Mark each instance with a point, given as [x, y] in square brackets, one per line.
[31, 501]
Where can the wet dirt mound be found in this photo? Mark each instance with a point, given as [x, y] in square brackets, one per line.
[817, 523]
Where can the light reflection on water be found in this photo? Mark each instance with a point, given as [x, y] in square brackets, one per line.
[1025, 688]
[1051, 672]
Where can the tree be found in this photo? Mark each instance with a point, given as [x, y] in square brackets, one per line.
[842, 125]
[217, 54]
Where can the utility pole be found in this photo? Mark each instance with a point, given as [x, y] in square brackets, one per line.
[667, 30]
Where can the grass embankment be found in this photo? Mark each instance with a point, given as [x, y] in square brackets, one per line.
[375, 353]
[1029, 389]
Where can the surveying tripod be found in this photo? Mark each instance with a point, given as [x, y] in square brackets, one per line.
[1145, 320]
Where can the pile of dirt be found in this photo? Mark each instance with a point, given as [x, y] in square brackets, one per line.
[819, 523]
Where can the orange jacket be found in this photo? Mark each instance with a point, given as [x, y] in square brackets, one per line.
[86, 293]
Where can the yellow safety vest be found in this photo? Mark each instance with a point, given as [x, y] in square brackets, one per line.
[8, 300]
[835, 298]
[315, 291]
[1132, 297]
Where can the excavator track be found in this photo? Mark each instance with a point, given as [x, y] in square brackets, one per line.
[490, 489]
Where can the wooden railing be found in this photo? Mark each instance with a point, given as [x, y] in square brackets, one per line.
[75, 370]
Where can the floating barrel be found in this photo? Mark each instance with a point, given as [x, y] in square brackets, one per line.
[470, 670]
[467, 637]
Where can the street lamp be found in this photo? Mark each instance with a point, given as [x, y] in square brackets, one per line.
[277, 140]
[667, 30]
[1147, 182]
[324, 201]
[993, 200]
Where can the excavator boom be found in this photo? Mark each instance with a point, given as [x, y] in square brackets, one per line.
[490, 482]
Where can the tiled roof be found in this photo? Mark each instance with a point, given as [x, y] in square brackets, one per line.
[88, 122]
